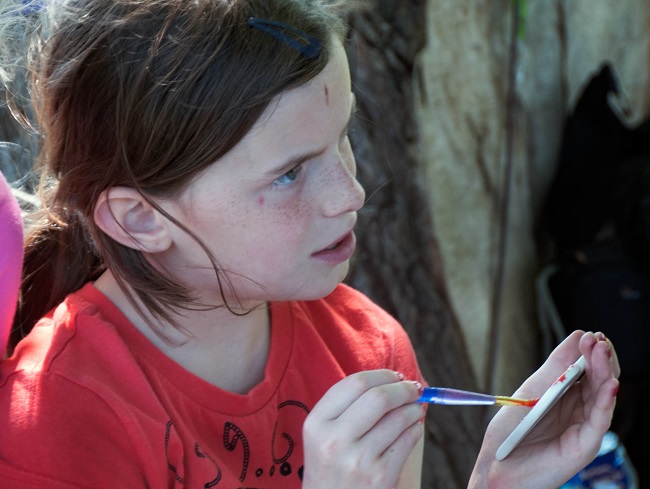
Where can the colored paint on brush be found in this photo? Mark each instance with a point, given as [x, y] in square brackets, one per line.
[513, 401]
[456, 397]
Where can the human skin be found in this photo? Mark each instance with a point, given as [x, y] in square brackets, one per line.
[278, 211]
[569, 436]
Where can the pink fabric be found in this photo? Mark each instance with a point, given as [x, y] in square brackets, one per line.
[11, 259]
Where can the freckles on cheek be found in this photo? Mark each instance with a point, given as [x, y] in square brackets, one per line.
[260, 201]
[287, 215]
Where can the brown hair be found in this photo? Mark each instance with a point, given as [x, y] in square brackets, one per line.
[146, 94]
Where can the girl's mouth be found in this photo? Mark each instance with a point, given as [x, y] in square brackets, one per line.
[340, 251]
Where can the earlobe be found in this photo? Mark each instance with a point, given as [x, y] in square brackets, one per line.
[128, 218]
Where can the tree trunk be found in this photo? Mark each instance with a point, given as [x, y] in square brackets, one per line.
[397, 263]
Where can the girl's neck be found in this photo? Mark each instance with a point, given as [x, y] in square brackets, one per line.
[227, 350]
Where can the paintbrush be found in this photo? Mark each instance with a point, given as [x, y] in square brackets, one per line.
[455, 397]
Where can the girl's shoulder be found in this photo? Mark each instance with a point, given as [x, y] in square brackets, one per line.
[75, 324]
[358, 332]
[60, 401]
[78, 343]
[354, 307]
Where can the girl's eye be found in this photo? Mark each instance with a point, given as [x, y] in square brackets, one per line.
[288, 178]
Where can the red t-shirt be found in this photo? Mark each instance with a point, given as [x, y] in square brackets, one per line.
[88, 401]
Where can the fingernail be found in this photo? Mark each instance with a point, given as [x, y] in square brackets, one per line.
[601, 336]
[608, 346]
[419, 386]
[400, 376]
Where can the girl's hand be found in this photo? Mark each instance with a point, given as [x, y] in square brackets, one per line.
[570, 434]
[362, 431]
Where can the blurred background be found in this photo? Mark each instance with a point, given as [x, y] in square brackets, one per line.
[468, 111]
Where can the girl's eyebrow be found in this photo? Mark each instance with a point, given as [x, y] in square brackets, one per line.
[302, 157]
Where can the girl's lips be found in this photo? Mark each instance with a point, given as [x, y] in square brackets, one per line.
[339, 252]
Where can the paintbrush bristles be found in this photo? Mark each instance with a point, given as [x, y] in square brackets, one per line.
[513, 401]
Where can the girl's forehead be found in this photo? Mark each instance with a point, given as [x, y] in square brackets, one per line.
[329, 90]
[299, 123]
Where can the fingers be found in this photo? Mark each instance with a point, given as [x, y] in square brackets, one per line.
[603, 371]
[359, 402]
[599, 389]
[599, 417]
[570, 434]
[611, 351]
[395, 430]
[364, 428]
[603, 408]
[566, 353]
[382, 409]
[596, 348]
[344, 393]
[568, 350]
[602, 361]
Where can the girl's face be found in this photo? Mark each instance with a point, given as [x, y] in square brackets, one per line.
[279, 209]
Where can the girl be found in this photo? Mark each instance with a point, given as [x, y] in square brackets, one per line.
[199, 205]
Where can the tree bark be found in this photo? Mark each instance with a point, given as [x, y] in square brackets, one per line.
[398, 260]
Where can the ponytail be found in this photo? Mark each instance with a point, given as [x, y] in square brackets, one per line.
[59, 259]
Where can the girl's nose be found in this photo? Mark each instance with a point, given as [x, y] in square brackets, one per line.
[345, 193]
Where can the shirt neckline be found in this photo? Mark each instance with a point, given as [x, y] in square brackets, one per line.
[166, 373]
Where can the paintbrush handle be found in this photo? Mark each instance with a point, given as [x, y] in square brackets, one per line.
[455, 397]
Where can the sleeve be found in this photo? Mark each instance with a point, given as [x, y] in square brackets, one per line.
[404, 359]
[367, 336]
[11, 259]
[13, 477]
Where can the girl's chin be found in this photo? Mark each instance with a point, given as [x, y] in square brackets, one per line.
[315, 286]
[336, 278]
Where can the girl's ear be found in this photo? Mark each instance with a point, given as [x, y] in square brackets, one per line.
[126, 216]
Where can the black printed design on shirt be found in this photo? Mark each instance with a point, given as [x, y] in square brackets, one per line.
[170, 434]
[234, 440]
[231, 444]
[282, 461]
[200, 454]
[170, 466]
